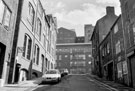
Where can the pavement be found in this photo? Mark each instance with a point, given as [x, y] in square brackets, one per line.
[111, 84]
[27, 85]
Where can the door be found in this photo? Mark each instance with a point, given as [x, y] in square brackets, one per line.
[17, 74]
[133, 71]
[2, 55]
[110, 71]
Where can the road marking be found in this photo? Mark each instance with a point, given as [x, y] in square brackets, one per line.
[102, 84]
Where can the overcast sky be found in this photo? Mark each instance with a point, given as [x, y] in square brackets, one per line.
[73, 14]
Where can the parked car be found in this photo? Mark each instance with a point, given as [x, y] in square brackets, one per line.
[51, 76]
[64, 72]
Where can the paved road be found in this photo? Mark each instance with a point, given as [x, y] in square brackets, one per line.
[74, 83]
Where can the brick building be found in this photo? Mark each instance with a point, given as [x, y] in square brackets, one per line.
[119, 52]
[113, 54]
[106, 57]
[79, 39]
[76, 57]
[8, 15]
[88, 29]
[128, 11]
[100, 31]
[66, 35]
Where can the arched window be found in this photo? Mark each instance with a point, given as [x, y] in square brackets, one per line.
[39, 28]
[36, 54]
[31, 13]
[27, 46]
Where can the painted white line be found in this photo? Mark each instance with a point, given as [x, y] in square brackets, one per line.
[102, 84]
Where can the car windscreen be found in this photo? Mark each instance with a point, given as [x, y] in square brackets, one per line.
[51, 72]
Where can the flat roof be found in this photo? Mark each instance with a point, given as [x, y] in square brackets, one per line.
[74, 44]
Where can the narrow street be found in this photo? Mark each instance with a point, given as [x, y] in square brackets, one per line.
[74, 83]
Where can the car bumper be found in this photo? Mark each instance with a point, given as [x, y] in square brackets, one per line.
[50, 79]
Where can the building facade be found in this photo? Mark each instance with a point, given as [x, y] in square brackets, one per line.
[79, 39]
[8, 15]
[100, 31]
[106, 57]
[34, 42]
[76, 57]
[66, 36]
[88, 28]
[119, 52]
[128, 11]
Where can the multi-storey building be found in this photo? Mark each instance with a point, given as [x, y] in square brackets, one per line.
[79, 39]
[88, 28]
[34, 42]
[66, 36]
[8, 15]
[128, 11]
[76, 57]
[100, 31]
[106, 57]
[119, 52]
[113, 54]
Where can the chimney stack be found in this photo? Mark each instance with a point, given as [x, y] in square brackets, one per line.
[110, 10]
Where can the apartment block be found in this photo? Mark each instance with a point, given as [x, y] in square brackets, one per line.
[33, 49]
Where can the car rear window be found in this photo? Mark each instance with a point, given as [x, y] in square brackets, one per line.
[51, 72]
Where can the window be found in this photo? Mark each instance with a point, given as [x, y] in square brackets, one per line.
[116, 28]
[71, 63]
[46, 63]
[40, 10]
[27, 46]
[134, 31]
[108, 48]
[66, 56]
[80, 56]
[71, 57]
[7, 18]
[103, 53]
[119, 70]
[5, 15]
[89, 55]
[103, 36]
[36, 54]
[60, 57]
[39, 27]
[117, 47]
[31, 13]
[44, 41]
[2, 6]
[43, 63]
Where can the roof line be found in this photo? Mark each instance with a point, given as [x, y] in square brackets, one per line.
[74, 44]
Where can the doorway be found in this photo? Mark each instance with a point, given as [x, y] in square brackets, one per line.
[110, 71]
[17, 72]
[2, 55]
[132, 66]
